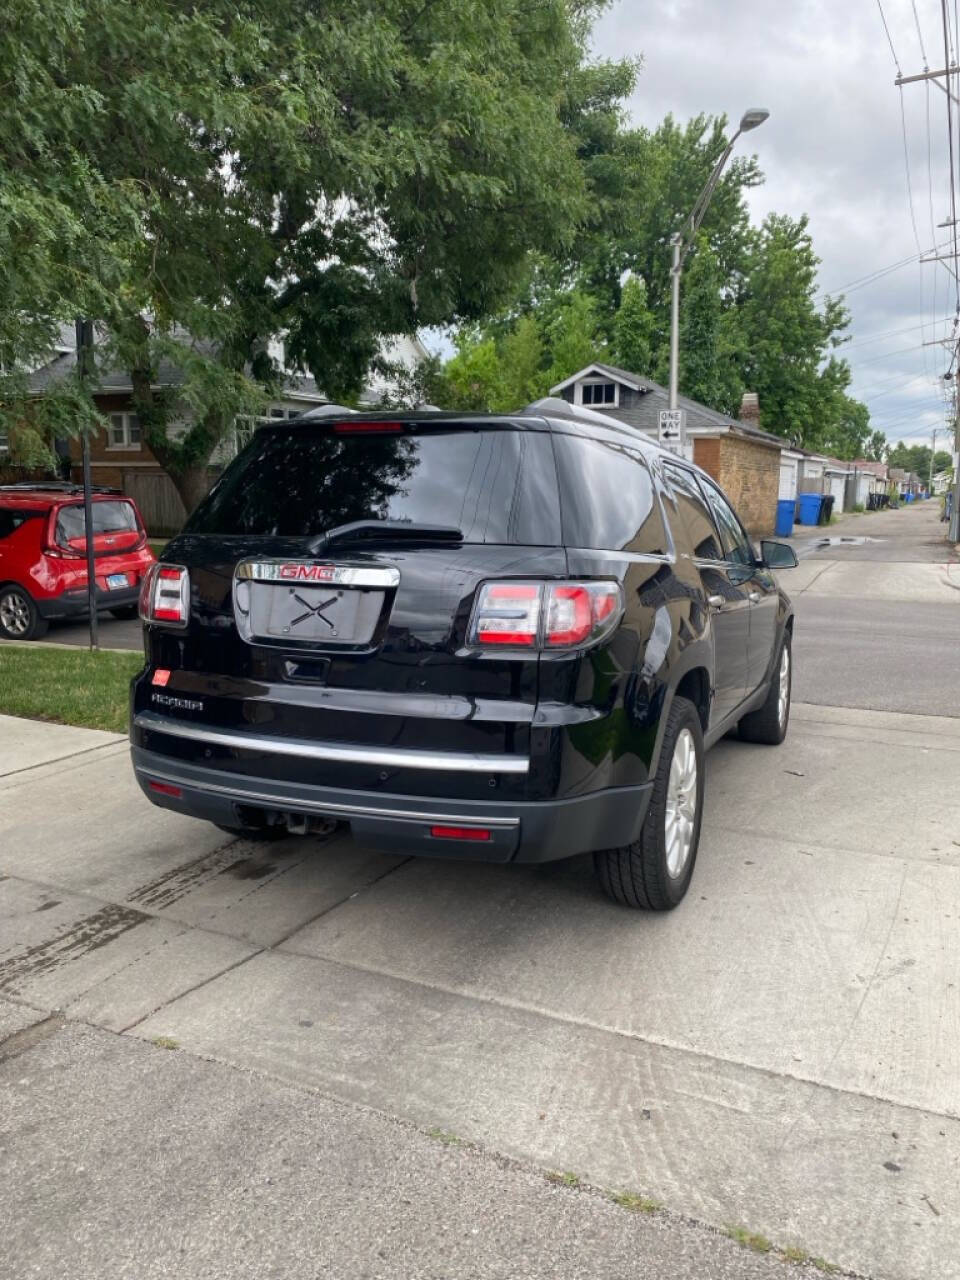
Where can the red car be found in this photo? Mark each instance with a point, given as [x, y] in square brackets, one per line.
[43, 550]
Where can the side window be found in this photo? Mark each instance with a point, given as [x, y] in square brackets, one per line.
[736, 545]
[608, 497]
[10, 521]
[699, 533]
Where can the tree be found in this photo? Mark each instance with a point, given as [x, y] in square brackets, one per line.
[633, 329]
[788, 339]
[330, 176]
[875, 446]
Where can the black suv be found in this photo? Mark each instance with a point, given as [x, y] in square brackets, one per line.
[507, 638]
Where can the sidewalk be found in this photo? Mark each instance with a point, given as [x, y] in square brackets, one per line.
[341, 1027]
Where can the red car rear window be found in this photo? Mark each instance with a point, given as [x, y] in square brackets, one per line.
[108, 517]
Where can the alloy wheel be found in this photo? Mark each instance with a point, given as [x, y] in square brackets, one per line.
[681, 806]
[14, 613]
[783, 698]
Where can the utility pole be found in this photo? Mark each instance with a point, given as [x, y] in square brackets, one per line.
[933, 450]
[85, 369]
[682, 243]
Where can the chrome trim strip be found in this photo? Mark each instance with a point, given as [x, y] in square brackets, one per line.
[397, 758]
[336, 575]
[332, 808]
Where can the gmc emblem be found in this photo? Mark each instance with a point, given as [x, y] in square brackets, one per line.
[307, 572]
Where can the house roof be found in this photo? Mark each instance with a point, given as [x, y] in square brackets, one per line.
[116, 381]
[611, 371]
[653, 397]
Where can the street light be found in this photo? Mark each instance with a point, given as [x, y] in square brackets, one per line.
[682, 244]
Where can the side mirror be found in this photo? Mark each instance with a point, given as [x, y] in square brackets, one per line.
[777, 555]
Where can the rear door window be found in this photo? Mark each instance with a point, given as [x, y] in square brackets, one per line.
[609, 500]
[697, 532]
[496, 485]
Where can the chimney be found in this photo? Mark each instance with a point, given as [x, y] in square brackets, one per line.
[750, 409]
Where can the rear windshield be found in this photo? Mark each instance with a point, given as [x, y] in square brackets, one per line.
[494, 484]
[609, 500]
[108, 517]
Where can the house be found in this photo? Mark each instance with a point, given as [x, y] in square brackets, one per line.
[942, 481]
[120, 457]
[742, 458]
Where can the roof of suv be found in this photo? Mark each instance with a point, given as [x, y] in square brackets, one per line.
[530, 419]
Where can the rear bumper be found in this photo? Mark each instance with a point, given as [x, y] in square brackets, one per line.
[75, 604]
[533, 831]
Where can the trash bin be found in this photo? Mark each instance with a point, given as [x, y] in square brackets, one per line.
[826, 509]
[784, 525]
[810, 508]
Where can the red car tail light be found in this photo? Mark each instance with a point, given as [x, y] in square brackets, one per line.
[580, 613]
[165, 595]
[545, 615]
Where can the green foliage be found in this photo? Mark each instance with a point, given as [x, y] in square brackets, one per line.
[916, 457]
[238, 171]
[633, 329]
[875, 446]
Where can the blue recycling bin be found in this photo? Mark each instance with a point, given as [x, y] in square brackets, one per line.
[810, 507]
[784, 525]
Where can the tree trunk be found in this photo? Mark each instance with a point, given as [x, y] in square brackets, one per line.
[192, 484]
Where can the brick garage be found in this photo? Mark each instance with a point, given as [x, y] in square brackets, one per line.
[748, 470]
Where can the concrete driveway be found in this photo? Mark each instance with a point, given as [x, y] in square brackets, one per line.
[782, 1053]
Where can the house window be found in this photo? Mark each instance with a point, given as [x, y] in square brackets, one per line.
[4, 442]
[599, 393]
[124, 431]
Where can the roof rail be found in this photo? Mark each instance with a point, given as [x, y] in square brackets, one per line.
[54, 486]
[324, 411]
[555, 407]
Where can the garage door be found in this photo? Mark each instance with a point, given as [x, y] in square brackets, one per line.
[788, 478]
[837, 486]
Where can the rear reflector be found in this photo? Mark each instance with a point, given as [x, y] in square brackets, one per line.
[367, 428]
[166, 789]
[460, 833]
[165, 595]
[161, 677]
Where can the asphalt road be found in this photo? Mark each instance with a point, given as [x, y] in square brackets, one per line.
[372, 1063]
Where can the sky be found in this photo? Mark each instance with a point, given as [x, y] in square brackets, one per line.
[833, 149]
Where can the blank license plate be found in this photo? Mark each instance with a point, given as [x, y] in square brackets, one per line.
[116, 580]
[312, 614]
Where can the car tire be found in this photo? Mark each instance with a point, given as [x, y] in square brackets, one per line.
[654, 872]
[19, 616]
[768, 724]
[125, 613]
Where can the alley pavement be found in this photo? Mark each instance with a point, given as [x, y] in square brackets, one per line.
[311, 1059]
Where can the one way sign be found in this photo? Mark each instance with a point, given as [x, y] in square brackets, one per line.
[671, 428]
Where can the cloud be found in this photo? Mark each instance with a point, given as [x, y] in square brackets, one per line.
[833, 149]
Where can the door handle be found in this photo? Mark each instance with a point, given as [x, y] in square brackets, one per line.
[754, 597]
[715, 602]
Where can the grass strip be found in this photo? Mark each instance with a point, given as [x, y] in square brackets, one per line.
[67, 686]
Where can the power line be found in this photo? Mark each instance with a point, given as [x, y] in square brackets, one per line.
[892, 333]
[923, 51]
[871, 277]
[893, 51]
[953, 178]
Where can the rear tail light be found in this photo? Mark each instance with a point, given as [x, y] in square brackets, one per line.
[165, 595]
[545, 615]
